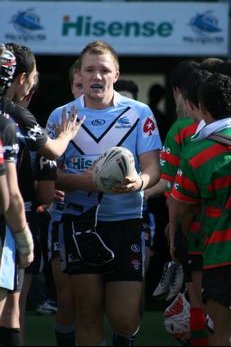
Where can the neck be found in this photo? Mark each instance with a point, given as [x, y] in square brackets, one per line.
[98, 104]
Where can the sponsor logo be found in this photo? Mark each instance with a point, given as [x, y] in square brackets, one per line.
[46, 163]
[149, 127]
[86, 26]
[123, 122]
[34, 132]
[27, 25]
[135, 264]
[81, 164]
[135, 248]
[206, 28]
[98, 122]
[166, 150]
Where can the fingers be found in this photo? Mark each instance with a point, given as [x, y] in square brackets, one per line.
[64, 115]
[80, 121]
[25, 260]
[130, 184]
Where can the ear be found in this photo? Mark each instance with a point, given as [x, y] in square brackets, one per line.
[21, 78]
[117, 76]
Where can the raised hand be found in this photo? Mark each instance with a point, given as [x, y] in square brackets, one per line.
[70, 124]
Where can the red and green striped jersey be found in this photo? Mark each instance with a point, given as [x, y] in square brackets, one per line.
[178, 136]
[205, 175]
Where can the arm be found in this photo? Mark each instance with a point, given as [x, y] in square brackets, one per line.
[156, 190]
[54, 148]
[69, 182]
[180, 213]
[4, 194]
[16, 218]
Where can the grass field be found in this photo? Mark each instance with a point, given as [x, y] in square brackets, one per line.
[39, 331]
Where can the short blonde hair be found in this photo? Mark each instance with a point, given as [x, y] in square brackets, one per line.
[98, 48]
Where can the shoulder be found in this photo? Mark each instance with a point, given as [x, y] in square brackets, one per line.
[135, 104]
[57, 112]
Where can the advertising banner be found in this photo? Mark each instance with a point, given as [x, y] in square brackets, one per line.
[133, 28]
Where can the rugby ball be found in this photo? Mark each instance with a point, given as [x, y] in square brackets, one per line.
[112, 167]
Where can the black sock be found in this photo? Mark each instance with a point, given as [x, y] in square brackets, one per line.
[9, 336]
[65, 338]
[119, 340]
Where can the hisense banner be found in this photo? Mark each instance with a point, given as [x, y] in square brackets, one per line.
[139, 28]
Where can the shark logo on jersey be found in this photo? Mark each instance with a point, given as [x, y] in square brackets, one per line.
[34, 132]
[123, 122]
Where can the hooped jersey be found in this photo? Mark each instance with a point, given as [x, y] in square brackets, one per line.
[127, 123]
[204, 174]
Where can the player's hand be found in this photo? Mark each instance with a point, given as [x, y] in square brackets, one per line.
[25, 246]
[70, 124]
[129, 185]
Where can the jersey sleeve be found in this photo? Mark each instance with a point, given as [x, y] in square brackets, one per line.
[148, 133]
[170, 158]
[35, 136]
[9, 139]
[46, 170]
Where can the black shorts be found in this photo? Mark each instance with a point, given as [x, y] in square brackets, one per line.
[53, 239]
[37, 264]
[124, 238]
[217, 285]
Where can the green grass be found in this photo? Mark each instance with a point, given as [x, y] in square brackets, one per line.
[40, 331]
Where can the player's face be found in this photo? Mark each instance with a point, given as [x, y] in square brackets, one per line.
[77, 86]
[99, 73]
[26, 83]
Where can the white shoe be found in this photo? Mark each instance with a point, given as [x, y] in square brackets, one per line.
[166, 279]
[177, 282]
[47, 307]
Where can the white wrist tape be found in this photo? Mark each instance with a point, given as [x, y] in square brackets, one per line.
[24, 241]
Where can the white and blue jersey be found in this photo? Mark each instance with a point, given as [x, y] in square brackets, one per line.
[128, 123]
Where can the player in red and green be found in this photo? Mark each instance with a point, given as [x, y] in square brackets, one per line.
[204, 179]
[179, 135]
